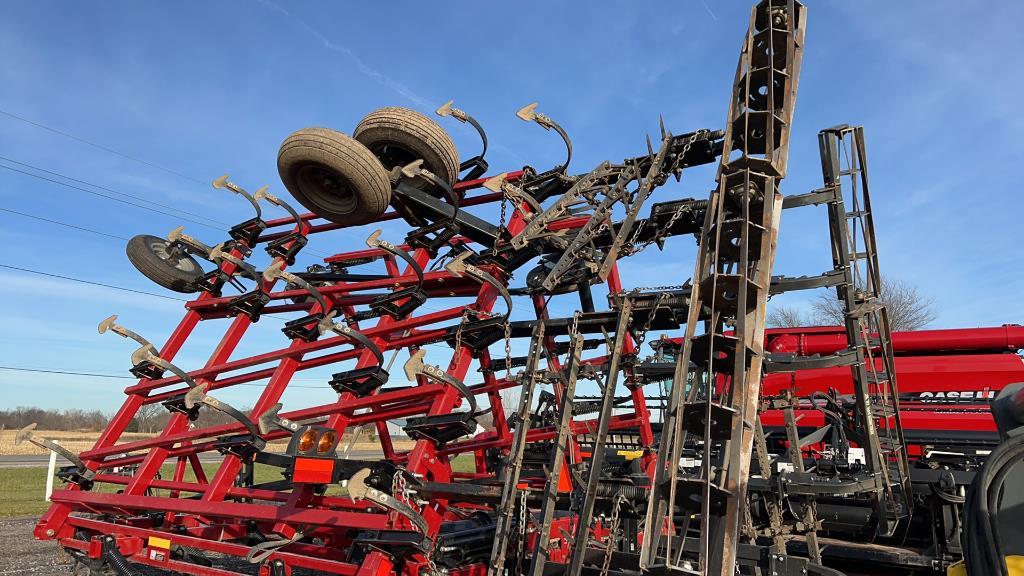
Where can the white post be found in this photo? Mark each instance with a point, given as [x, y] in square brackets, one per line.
[49, 473]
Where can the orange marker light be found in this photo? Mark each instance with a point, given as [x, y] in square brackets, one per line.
[307, 440]
[326, 442]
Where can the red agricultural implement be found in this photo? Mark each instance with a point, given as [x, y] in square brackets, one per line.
[668, 469]
[948, 378]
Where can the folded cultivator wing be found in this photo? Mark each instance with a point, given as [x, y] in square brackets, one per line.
[681, 462]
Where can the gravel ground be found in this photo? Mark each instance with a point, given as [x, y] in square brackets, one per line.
[23, 554]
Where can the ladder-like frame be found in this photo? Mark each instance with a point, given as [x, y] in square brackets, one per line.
[714, 404]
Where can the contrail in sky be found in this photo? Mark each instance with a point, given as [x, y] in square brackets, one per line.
[365, 69]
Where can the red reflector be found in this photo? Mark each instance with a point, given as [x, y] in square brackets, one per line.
[564, 481]
[313, 471]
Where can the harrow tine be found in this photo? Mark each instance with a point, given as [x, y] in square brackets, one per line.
[178, 236]
[459, 266]
[26, 435]
[198, 395]
[272, 419]
[477, 163]
[327, 324]
[262, 194]
[374, 241]
[275, 271]
[529, 113]
[501, 184]
[415, 170]
[358, 489]
[260, 552]
[110, 323]
[157, 360]
[415, 367]
[219, 254]
[222, 183]
[145, 354]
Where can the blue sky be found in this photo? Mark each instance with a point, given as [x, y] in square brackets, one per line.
[207, 88]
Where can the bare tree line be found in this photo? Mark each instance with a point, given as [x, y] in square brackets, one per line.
[73, 419]
[150, 418]
[908, 308]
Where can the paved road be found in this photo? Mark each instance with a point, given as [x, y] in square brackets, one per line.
[8, 461]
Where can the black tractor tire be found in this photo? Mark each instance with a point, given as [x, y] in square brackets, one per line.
[153, 257]
[398, 136]
[334, 176]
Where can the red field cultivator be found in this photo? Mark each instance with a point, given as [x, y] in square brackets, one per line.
[696, 458]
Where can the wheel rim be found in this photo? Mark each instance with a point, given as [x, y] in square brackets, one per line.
[326, 188]
[183, 263]
[391, 156]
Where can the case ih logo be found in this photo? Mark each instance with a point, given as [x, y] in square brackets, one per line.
[953, 397]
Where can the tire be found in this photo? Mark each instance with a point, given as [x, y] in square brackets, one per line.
[398, 136]
[151, 256]
[334, 176]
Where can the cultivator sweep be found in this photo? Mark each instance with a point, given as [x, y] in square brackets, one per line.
[679, 464]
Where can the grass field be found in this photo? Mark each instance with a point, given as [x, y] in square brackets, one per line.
[74, 441]
[22, 489]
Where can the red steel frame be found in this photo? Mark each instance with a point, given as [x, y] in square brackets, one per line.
[215, 520]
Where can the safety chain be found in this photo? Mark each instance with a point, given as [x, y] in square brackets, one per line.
[613, 530]
[662, 232]
[400, 490]
[508, 349]
[642, 334]
[504, 208]
[400, 487]
[466, 312]
[660, 288]
[522, 532]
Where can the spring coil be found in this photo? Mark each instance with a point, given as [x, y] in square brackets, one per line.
[115, 559]
[631, 493]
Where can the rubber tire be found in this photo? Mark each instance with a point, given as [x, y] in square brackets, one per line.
[359, 188]
[180, 277]
[398, 136]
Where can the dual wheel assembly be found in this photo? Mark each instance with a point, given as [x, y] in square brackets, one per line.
[344, 179]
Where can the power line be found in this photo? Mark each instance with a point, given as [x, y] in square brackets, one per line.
[64, 372]
[97, 375]
[114, 198]
[115, 152]
[82, 228]
[111, 286]
[99, 146]
[59, 223]
[218, 227]
[87, 183]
